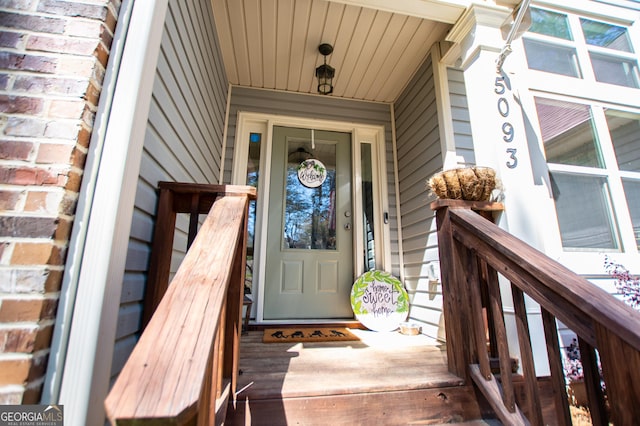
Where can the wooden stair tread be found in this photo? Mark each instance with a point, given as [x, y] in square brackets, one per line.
[382, 379]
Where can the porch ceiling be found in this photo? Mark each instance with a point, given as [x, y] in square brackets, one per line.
[378, 44]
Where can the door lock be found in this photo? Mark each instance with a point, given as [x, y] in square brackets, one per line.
[347, 226]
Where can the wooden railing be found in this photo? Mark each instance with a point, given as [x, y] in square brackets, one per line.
[473, 251]
[184, 367]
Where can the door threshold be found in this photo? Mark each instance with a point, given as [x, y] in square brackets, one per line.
[258, 326]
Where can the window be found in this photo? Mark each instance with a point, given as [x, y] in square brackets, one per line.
[624, 130]
[584, 212]
[550, 23]
[547, 57]
[568, 133]
[590, 128]
[253, 179]
[632, 192]
[612, 70]
[605, 35]
[550, 46]
[577, 138]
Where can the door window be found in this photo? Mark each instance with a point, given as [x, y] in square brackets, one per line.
[310, 213]
[368, 217]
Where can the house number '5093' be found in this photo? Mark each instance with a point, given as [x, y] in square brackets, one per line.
[508, 131]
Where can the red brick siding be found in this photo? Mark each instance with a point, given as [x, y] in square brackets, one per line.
[53, 55]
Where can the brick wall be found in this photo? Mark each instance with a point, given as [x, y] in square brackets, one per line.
[53, 55]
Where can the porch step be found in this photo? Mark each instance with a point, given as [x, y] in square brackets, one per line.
[490, 422]
[380, 379]
[437, 406]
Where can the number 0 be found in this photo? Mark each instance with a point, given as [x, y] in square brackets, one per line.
[503, 107]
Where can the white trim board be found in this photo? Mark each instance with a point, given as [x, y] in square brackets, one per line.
[361, 133]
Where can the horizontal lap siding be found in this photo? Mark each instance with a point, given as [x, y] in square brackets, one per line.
[460, 118]
[419, 157]
[320, 108]
[183, 143]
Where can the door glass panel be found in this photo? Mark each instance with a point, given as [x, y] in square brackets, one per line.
[367, 207]
[584, 212]
[253, 179]
[310, 213]
[632, 191]
[568, 133]
[624, 129]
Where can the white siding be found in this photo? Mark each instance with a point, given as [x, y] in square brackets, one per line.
[419, 158]
[183, 143]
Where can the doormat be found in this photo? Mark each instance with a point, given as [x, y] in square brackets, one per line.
[312, 334]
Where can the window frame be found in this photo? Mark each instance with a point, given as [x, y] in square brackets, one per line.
[619, 209]
[597, 96]
[577, 43]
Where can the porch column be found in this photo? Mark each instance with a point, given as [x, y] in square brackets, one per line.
[499, 138]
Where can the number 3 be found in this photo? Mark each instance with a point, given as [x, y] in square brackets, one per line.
[514, 164]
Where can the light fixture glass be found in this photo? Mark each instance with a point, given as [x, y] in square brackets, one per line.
[324, 72]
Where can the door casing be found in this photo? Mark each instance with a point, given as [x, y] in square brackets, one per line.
[360, 134]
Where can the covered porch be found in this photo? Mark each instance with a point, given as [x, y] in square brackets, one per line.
[411, 107]
[204, 372]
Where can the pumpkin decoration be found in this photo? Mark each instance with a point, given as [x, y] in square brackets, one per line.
[469, 183]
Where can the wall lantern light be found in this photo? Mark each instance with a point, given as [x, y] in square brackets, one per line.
[325, 72]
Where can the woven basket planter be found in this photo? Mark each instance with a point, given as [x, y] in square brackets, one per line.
[469, 183]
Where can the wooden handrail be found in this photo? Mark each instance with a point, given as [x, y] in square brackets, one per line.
[472, 252]
[184, 367]
[177, 197]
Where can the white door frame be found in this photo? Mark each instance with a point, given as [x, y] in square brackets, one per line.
[361, 134]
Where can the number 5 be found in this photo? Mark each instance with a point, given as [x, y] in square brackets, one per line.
[500, 87]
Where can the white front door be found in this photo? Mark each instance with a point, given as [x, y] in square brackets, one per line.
[309, 256]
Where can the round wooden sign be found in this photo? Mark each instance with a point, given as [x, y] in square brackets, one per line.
[379, 301]
[312, 173]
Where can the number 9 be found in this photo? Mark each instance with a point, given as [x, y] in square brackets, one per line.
[508, 131]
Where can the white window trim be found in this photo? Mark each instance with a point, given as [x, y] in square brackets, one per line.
[598, 95]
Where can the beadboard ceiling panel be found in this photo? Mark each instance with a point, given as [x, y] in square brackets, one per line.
[378, 45]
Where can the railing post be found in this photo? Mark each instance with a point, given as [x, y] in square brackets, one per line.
[234, 307]
[186, 360]
[160, 261]
[621, 370]
[454, 325]
[457, 306]
[563, 414]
